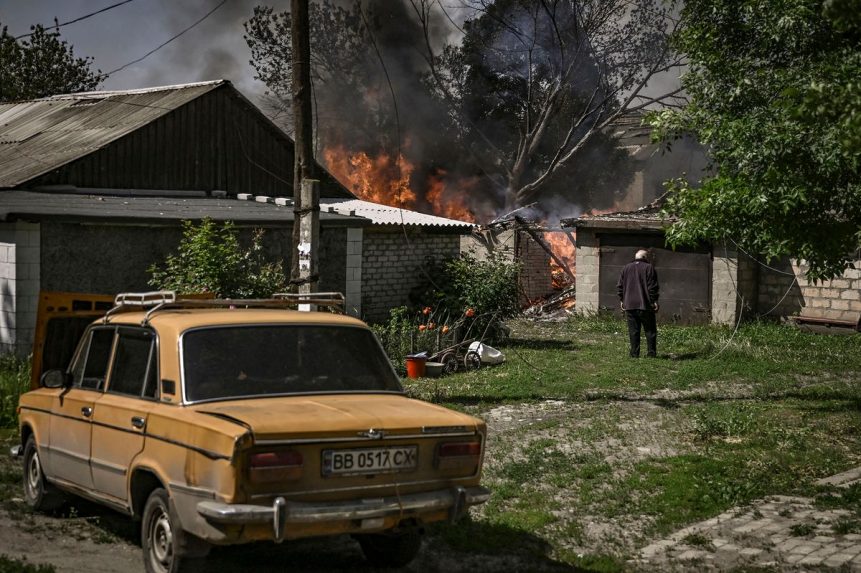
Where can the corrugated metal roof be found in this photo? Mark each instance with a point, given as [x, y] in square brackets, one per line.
[385, 215]
[41, 135]
[165, 207]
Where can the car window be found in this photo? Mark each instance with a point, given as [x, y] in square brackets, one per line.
[244, 361]
[92, 365]
[133, 363]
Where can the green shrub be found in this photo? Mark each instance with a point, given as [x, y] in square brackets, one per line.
[488, 288]
[14, 379]
[210, 259]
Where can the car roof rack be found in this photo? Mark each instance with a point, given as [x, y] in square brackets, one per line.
[158, 301]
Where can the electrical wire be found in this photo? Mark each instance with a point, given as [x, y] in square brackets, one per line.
[163, 44]
[760, 262]
[741, 306]
[84, 17]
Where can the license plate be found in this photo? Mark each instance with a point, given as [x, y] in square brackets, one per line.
[370, 460]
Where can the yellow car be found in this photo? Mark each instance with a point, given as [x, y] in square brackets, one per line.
[228, 421]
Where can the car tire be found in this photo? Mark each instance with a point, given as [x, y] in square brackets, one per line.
[390, 549]
[40, 495]
[162, 538]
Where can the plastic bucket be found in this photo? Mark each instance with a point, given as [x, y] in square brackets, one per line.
[416, 366]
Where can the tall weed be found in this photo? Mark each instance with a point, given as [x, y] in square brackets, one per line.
[14, 380]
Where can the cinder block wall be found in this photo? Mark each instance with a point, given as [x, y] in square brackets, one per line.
[481, 245]
[20, 277]
[393, 265]
[785, 289]
[735, 284]
[588, 260]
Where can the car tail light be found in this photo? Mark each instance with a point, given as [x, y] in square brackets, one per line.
[458, 455]
[269, 467]
[459, 449]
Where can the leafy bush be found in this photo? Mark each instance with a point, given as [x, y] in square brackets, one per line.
[467, 299]
[488, 288]
[14, 380]
[210, 259]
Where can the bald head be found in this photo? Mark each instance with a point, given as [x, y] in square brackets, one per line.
[641, 255]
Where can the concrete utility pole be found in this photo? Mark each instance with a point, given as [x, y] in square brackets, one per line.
[306, 197]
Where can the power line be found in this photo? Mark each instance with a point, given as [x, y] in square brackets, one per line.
[163, 44]
[84, 17]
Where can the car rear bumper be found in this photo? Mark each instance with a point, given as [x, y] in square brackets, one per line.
[281, 513]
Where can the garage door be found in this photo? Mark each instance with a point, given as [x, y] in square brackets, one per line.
[684, 276]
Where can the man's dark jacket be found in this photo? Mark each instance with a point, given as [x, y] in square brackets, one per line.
[638, 285]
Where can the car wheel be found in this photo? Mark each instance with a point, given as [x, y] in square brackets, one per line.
[40, 495]
[391, 549]
[161, 537]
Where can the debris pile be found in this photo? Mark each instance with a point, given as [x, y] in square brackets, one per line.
[557, 305]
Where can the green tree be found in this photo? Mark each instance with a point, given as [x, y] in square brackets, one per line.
[210, 259]
[42, 65]
[775, 94]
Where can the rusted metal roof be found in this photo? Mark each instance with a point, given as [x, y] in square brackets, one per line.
[385, 215]
[41, 135]
[649, 217]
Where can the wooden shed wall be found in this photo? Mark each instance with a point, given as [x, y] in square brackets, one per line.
[216, 141]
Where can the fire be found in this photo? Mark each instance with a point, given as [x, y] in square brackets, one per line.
[447, 202]
[563, 248]
[381, 179]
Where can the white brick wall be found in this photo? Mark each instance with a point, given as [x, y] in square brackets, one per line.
[393, 265]
[20, 278]
[838, 298]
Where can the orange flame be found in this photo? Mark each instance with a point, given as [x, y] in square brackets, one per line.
[383, 180]
[380, 179]
[447, 202]
[563, 248]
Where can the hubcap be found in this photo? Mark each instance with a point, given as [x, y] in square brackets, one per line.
[161, 540]
[34, 475]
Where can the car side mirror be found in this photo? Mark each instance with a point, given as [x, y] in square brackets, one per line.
[55, 379]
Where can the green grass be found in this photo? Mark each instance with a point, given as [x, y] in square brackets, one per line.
[587, 358]
[762, 411]
[10, 565]
[14, 379]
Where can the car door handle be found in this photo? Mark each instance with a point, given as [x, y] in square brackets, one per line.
[87, 411]
[138, 422]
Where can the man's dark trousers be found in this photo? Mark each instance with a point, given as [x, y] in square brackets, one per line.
[646, 320]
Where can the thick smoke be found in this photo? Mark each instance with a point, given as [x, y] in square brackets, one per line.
[356, 111]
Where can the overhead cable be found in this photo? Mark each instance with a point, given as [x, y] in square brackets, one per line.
[163, 44]
[84, 17]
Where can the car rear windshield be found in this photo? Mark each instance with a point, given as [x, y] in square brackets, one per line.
[248, 361]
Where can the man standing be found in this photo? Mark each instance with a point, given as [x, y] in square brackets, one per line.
[638, 295]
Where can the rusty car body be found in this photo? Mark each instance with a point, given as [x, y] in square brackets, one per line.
[226, 422]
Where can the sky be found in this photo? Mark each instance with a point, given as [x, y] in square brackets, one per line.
[212, 50]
